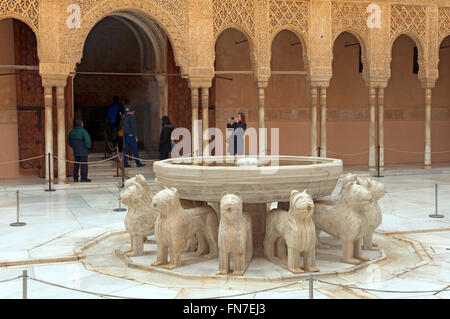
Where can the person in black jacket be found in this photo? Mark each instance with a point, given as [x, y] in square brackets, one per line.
[129, 132]
[236, 143]
[81, 142]
[165, 140]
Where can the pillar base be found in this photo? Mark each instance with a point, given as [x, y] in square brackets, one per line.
[427, 167]
[372, 169]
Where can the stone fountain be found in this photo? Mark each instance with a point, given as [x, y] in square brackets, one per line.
[257, 181]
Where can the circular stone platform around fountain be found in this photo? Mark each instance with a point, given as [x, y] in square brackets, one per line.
[201, 268]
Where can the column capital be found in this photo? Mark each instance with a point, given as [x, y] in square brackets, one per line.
[428, 83]
[377, 82]
[261, 84]
[199, 82]
[54, 74]
[319, 82]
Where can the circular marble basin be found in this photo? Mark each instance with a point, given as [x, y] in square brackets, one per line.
[257, 180]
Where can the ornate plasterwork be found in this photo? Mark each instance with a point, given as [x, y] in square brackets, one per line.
[408, 19]
[27, 10]
[291, 14]
[349, 16]
[168, 14]
[234, 13]
[444, 22]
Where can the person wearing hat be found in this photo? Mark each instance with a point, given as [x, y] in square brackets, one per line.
[80, 141]
[129, 131]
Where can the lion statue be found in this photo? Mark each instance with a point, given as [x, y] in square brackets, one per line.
[294, 229]
[141, 218]
[175, 226]
[346, 220]
[373, 211]
[235, 236]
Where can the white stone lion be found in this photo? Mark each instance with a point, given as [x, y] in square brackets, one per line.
[346, 220]
[141, 218]
[294, 228]
[175, 226]
[235, 236]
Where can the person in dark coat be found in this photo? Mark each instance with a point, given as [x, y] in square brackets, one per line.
[129, 131]
[80, 141]
[165, 140]
[236, 142]
[115, 112]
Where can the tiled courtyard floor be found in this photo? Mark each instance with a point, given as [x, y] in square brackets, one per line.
[62, 222]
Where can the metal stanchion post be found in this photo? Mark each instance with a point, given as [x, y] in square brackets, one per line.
[436, 215]
[24, 284]
[117, 162]
[311, 287]
[18, 223]
[320, 151]
[120, 209]
[123, 170]
[49, 172]
[379, 161]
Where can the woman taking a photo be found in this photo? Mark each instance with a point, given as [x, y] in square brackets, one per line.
[236, 142]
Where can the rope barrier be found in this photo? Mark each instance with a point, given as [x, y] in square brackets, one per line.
[258, 291]
[79, 290]
[349, 154]
[139, 159]
[381, 290]
[88, 163]
[22, 160]
[12, 279]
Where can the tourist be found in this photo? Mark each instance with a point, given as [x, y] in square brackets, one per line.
[129, 130]
[165, 140]
[80, 141]
[236, 144]
[115, 111]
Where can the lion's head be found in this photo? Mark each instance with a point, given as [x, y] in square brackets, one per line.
[132, 194]
[301, 203]
[166, 201]
[230, 207]
[377, 189]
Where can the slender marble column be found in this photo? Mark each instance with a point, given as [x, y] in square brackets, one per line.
[205, 114]
[313, 121]
[48, 101]
[262, 140]
[195, 137]
[323, 122]
[163, 94]
[427, 128]
[381, 125]
[372, 115]
[60, 104]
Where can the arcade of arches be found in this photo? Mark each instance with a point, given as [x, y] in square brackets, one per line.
[313, 69]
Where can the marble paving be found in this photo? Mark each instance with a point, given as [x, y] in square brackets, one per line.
[61, 223]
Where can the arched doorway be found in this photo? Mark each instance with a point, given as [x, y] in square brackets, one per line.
[235, 88]
[127, 55]
[348, 103]
[21, 101]
[287, 98]
[440, 104]
[404, 112]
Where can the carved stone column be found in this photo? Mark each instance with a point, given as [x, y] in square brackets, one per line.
[60, 104]
[163, 95]
[313, 121]
[381, 126]
[262, 133]
[205, 114]
[427, 162]
[48, 102]
[372, 116]
[323, 121]
[195, 137]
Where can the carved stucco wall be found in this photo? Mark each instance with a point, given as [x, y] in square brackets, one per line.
[260, 20]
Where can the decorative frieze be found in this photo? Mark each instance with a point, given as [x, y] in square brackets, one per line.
[293, 14]
[28, 9]
[444, 22]
[234, 13]
[349, 16]
[406, 18]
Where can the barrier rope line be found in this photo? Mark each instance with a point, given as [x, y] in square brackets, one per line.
[381, 290]
[22, 160]
[79, 290]
[258, 291]
[349, 154]
[12, 279]
[88, 163]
